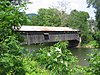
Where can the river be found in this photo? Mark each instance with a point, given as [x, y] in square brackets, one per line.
[80, 53]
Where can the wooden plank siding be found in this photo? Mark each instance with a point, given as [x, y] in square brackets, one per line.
[48, 36]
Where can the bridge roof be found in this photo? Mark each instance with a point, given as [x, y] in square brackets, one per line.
[44, 28]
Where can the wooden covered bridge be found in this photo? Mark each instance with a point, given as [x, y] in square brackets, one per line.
[43, 34]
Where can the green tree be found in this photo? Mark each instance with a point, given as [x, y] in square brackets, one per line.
[63, 7]
[32, 19]
[10, 16]
[48, 17]
[96, 5]
[10, 60]
[79, 20]
[92, 25]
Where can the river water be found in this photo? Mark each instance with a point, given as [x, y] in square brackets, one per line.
[80, 53]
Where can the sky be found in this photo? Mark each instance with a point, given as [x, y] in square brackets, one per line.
[79, 5]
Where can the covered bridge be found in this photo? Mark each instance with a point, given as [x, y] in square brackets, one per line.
[44, 34]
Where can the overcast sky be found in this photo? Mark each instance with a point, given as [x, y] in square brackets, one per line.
[72, 4]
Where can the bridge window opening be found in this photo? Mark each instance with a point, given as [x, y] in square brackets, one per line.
[46, 36]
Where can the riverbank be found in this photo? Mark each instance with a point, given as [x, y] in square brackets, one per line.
[91, 44]
[87, 46]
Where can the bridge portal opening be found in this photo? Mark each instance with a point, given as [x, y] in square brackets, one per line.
[73, 43]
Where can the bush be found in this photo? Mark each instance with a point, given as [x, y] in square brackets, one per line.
[31, 67]
[94, 63]
[10, 57]
[93, 44]
[57, 59]
[15, 60]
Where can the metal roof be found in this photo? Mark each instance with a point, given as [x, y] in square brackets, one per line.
[44, 28]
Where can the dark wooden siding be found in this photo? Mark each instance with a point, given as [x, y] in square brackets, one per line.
[42, 37]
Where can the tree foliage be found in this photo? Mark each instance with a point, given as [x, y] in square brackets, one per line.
[14, 59]
[94, 63]
[10, 16]
[97, 37]
[63, 7]
[79, 20]
[48, 17]
[10, 60]
[96, 5]
[92, 25]
[57, 59]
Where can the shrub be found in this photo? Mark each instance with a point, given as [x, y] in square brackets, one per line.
[31, 67]
[94, 63]
[10, 57]
[57, 59]
[93, 44]
[15, 60]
